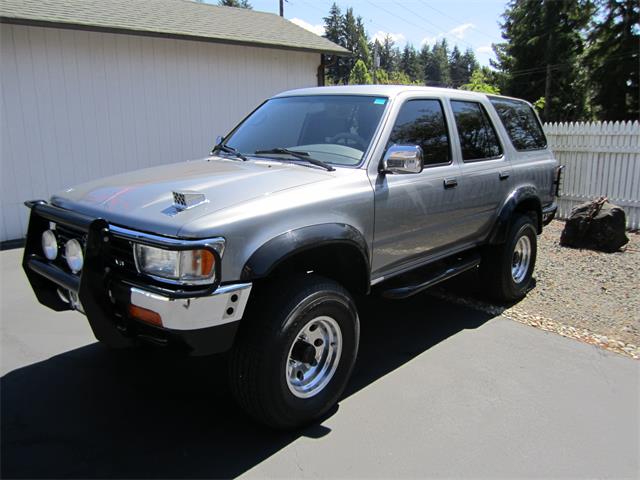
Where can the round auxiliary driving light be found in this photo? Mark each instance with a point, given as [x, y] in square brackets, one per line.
[49, 244]
[73, 254]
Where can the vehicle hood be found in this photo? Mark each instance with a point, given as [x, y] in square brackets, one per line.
[143, 199]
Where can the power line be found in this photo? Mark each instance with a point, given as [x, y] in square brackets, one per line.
[458, 21]
[431, 23]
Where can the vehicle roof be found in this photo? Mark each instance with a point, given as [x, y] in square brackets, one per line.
[382, 90]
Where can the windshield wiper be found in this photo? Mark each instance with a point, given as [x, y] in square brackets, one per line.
[301, 155]
[227, 149]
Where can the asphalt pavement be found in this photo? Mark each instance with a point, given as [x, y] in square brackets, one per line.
[439, 390]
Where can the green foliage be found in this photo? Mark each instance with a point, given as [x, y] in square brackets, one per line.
[539, 104]
[360, 74]
[410, 64]
[612, 57]
[388, 54]
[382, 77]
[347, 31]
[398, 77]
[541, 55]
[235, 3]
[479, 82]
[437, 72]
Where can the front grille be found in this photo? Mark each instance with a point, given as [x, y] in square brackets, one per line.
[122, 257]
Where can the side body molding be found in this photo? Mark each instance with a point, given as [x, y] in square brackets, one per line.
[523, 196]
[266, 258]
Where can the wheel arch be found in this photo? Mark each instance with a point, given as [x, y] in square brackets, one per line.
[335, 250]
[524, 199]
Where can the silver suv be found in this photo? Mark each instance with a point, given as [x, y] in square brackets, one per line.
[319, 195]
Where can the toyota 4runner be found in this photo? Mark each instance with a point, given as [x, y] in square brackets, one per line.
[317, 196]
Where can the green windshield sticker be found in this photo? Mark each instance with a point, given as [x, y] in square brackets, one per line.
[380, 101]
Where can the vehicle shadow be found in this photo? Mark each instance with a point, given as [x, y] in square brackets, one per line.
[92, 412]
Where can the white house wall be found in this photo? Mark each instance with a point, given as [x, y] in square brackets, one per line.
[79, 105]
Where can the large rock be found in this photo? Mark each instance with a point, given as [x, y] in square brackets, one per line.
[597, 225]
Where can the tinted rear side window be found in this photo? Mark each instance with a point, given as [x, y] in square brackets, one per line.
[521, 124]
[478, 138]
[421, 122]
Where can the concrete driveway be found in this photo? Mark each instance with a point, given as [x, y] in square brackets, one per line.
[439, 391]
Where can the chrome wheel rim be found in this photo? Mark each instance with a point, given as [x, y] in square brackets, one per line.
[313, 357]
[521, 259]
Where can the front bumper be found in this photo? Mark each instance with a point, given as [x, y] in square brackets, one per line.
[204, 321]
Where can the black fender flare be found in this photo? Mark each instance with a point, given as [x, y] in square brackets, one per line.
[524, 194]
[275, 251]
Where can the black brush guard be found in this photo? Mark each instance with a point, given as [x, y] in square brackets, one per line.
[91, 286]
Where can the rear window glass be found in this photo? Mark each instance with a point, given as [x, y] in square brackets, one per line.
[478, 138]
[521, 124]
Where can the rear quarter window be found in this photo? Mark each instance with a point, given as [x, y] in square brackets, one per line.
[521, 123]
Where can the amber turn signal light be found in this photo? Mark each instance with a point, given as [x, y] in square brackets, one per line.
[145, 315]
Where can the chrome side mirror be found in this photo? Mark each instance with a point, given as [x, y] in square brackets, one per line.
[402, 159]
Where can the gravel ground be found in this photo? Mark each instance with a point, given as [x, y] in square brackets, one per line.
[587, 295]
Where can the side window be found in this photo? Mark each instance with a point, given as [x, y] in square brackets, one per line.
[422, 122]
[478, 138]
[521, 123]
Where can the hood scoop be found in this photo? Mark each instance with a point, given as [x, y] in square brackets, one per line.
[185, 200]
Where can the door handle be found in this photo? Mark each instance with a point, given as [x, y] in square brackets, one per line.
[450, 183]
[503, 175]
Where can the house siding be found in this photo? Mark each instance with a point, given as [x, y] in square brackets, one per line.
[78, 105]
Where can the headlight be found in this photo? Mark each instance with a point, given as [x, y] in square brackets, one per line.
[188, 266]
[49, 244]
[73, 254]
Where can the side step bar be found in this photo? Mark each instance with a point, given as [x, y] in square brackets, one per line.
[419, 280]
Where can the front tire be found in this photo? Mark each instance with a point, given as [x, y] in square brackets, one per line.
[295, 351]
[507, 269]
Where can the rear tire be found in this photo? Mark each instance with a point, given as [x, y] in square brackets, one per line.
[271, 369]
[507, 269]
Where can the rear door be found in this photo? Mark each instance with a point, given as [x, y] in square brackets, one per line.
[486, 170]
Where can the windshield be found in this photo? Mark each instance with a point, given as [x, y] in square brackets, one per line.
[335, 129]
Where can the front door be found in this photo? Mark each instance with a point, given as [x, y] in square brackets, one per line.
[417, 214]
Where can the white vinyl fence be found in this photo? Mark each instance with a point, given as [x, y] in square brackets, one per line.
[600, 159]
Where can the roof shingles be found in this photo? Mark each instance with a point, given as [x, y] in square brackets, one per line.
[183, 18]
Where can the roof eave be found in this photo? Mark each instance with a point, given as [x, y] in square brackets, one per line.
[153, 33]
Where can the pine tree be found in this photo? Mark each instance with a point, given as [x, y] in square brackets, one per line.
[333, 30]
[468, 65]
[359, 74]
[388, 54]
[425, 62]
[540, 58]
[457, 69]
[612, 58]
[362, 51]
[437, 72]
[410, 63]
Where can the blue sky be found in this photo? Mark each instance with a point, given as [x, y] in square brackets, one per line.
[467, 23]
